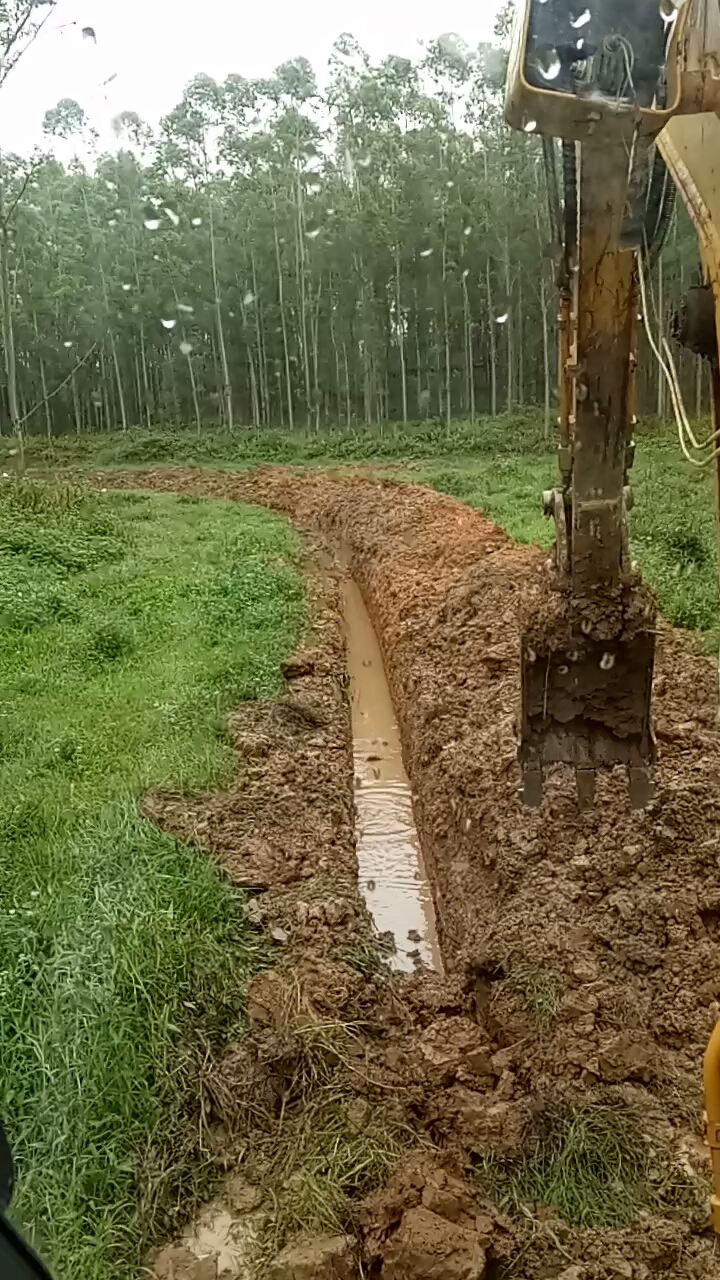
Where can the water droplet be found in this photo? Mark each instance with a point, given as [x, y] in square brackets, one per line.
[607, 662]
[467, 231]
[111, 186]
[196, 222]
[67, 345]
[549, 64]
[88, 33]
[135, 308]
[112, 222]
[530, 126]
[155, 201]
[168, 324]
[503, 319]
[313, 235]
[466, 273]
[248, 299]
[185, 307]
[186, 348]
[152, 224]
[348, 166]
[425, 253]
[231, 315]
[450, 185]
[172, 216]
[582, 21]
[127, 288]
[156, 257]
[330, 212]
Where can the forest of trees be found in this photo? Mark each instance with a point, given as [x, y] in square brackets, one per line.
[277, 253]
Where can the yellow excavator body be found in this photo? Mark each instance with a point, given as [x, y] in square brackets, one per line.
[631, 88]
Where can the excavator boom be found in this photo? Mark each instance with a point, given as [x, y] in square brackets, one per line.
[606, 81]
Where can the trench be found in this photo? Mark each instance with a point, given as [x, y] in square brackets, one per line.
[393, 878]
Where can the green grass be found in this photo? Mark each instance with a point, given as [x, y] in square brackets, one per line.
[539, 990]
[672, 526]
[129, 625]
[139, 447]
[500, 465]
[596, 1166]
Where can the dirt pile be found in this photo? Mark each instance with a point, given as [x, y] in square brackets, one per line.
[583, 949]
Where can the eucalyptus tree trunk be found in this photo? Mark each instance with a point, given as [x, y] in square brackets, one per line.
[546, 355]
[661, 326]
[509, 327]
[43, 384]
[8, 329]
[400, 325]
[283, 320]
[227, 388]
[469, 365]
[493, 344]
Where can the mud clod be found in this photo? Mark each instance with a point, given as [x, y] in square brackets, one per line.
[322, 1258]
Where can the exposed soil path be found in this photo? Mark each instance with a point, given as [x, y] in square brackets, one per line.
[584, 948]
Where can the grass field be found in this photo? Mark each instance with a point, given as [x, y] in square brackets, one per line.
[128, 626]
[500, 465]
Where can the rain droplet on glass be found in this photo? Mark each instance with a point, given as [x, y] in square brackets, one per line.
[172, 216]
[186, 348]
[248, 299]
[67, 345]
[467, 231]
[152, 224]
[112, 222]
[313, 235]
[185, 307]
[503, 318]
[425, 253]
[530, 126]
[196, 222]
[549, 64]
[168, 324]
[127, 288]
[449, 185]
[582, 21]
[466, 273]
[111, 186]
[88, 33]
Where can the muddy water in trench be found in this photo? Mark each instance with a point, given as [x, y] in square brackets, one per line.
[393, 879]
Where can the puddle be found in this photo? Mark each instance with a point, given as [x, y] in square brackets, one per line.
[393, 879]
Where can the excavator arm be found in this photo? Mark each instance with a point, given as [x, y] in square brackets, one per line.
[609, 80]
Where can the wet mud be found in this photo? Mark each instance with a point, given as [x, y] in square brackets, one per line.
[581, 950]
[393, 879]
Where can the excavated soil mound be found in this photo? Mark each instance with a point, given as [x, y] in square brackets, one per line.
[583, 949]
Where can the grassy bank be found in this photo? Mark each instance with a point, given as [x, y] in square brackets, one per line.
[672, 526]
[128, 626]
[500, 465]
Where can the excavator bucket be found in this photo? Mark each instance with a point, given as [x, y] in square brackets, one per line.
[586, 703]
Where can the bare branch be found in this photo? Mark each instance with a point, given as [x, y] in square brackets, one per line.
[5, 222]
[59, 388]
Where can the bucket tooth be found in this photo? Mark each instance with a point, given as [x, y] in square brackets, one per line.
[532, 788]
[585, 780]
[642, 789]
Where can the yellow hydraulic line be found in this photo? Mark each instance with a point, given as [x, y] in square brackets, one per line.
[712, 1108]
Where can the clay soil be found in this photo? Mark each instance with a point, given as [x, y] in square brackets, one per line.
[582, 951]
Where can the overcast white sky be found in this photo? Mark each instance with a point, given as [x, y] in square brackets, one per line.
[154, 47]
